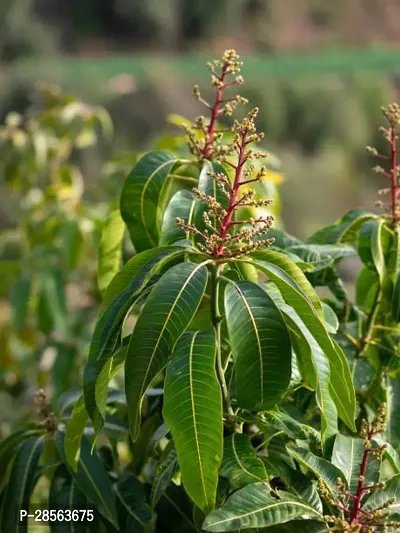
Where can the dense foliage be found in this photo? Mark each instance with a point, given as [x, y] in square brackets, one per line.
[221, 392]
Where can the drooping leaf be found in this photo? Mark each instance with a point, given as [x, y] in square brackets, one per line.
[260, 346]
[122, 293]
[240, 464]
[141, 198]
[66, 495]
[181, 205]
[344, 230]
[9, 446]
[74, 431]
[91, 478]
[165, 473]
[341, 384]
[165, 316]
[393, 411]
[253, 507]
[396, 300]
[110, 249]
[193, 413]
[315, 369]
[304, 488]
[321, 468]
[372, 238]
[20, 484]
[131, 493]
[288, 267]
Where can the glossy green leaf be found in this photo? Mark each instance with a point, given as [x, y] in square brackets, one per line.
[253, 507]
[240, 464]
[131, 493]
[288, 267]
[181, 205]
[110, 249]
[315, 369]
[66, 495]
[193, 413]
[347, 456]
[9, 446]
[21, 484]
[165, 316]
[396, 300]
[330, 318]
[20, 294]
[163, 478]
[299, 526]
[141, 198]
[367, 287]
[74, 431]
[304, 488]
[260, 344]
[380, 497]
[122, 293]
[341, 384]
[392, 434]
[371, 243]
[344, 230]
[321, 468]
[91, 478]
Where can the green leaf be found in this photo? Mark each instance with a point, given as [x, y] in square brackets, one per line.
[165, 316]
[315, 370]
[74, 431]
[260, 343]
[122, 293]
[131, 493]
[296, 526]
[91, 478]
[71, 244]
[344, 230]
[240, 464]
[65, 495]
[21, 484]
[253, 507]
[330, 318]
[181, 205]
[110, 249]
[396, 301]
[321, 468]
[371, 241]
[284, 422]
[292, 271]
[53, 293]
[9, 446]
[20, 294]
[347, 456]
[382, 496]
[304, 488]
[141, 198]
[163, 478]
[193, 414]
[341, 384]
[392, 434]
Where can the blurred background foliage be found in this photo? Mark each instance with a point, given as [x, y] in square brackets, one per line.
[319, 71]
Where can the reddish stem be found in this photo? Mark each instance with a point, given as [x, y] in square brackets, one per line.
[232, 205]
[354, 518]
[215, 112]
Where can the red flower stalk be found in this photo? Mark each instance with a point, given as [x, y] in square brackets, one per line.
[392, 114]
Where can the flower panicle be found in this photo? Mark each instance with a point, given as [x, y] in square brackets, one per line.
[221, 234]
[351, 516]
[390, 168]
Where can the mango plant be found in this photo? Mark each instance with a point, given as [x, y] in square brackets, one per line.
[238, 410]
